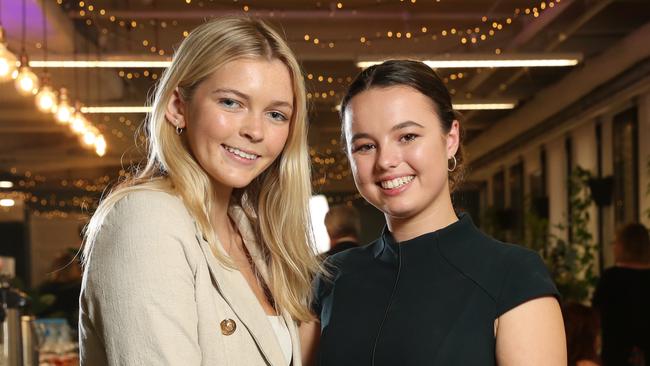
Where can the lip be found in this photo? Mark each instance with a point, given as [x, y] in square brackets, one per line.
[238, 158]
[394, 191]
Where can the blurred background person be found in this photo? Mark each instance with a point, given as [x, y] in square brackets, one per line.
[582, 326]
[623, 299]
[343, 227]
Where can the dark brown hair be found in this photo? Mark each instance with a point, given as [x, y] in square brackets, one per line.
[419, 76]
[635, 243]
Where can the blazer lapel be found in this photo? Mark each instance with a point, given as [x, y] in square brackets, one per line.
[238, 294]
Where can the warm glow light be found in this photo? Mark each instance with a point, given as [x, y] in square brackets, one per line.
[46, 100]
[7, 63]
[7, 202]
[493, 61]
[99, 64]
[79, 124]
[26, 81]
[100, 145]
[89, 138]
[64, 111]
[116, 109]
[483, 106]
[6, 184]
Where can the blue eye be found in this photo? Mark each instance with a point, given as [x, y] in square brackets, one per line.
[229, 103]
[363, 148]
[275, 115]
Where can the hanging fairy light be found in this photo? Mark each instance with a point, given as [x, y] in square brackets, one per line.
[79, 123]
[26, 80]
[7, 58]
[46, 98]
[100, 145]
[64, 111]
[90, 136]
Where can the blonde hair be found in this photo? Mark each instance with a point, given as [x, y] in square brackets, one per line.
[276, 202]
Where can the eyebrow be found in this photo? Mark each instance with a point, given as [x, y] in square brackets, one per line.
[398, 126]
[274, 104]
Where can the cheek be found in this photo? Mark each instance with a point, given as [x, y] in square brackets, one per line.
[278, 138]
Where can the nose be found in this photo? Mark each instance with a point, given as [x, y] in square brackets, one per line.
[252, 128]
[388, 157]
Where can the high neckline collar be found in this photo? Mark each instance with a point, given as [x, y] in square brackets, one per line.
[459, 230]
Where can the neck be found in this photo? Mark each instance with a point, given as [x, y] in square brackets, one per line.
[336, 242]
[437, 216]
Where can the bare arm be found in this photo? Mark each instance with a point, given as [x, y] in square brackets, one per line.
[532, 334]
[309, 339]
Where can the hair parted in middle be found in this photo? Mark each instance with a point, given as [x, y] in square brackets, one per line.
[425, 80]
[276, 201]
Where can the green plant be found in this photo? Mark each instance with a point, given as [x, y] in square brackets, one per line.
[573, 262]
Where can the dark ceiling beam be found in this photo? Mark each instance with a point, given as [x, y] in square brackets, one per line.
[307, 15]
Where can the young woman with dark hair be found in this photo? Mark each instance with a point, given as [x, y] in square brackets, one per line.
[433, 289]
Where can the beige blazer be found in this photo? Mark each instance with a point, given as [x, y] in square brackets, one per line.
[154, 294]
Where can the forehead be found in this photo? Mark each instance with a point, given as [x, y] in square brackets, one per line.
[378, 108]
[249, 75]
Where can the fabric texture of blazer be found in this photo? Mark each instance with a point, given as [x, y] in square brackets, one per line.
[153, 293]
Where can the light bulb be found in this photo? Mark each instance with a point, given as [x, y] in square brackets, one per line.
[89, 137]
[26, 81]
[46, 100]
[79, 124]
[100, 145]
[7, 63]
[64, 111]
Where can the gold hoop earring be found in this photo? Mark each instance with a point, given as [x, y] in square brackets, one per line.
[455, 164]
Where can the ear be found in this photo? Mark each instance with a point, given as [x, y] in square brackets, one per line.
[453, 139]
[176, 110]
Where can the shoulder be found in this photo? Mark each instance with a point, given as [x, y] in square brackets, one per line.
[338, 264]
[353, 258]
[510, 274]
[145, 207]
[144, 224]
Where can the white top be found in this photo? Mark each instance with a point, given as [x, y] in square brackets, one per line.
[284, 338]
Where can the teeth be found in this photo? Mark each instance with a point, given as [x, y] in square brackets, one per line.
[241, 153]
[397, 182]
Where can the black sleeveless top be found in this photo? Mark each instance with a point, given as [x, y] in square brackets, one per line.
[431, 300]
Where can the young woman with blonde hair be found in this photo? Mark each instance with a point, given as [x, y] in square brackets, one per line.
[202, 258]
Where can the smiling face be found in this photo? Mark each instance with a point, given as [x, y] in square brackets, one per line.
[238, 119]
[398, 151]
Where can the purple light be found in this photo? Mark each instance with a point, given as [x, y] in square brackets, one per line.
[12, 17]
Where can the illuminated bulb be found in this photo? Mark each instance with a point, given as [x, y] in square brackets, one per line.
[26, 81]
[89, 138]
[79, 124]
[7, 61]
[7, 202]
[64, 111]
[100, 145]
[46, 100]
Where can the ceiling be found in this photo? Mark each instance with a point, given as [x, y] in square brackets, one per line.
[55, 167]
